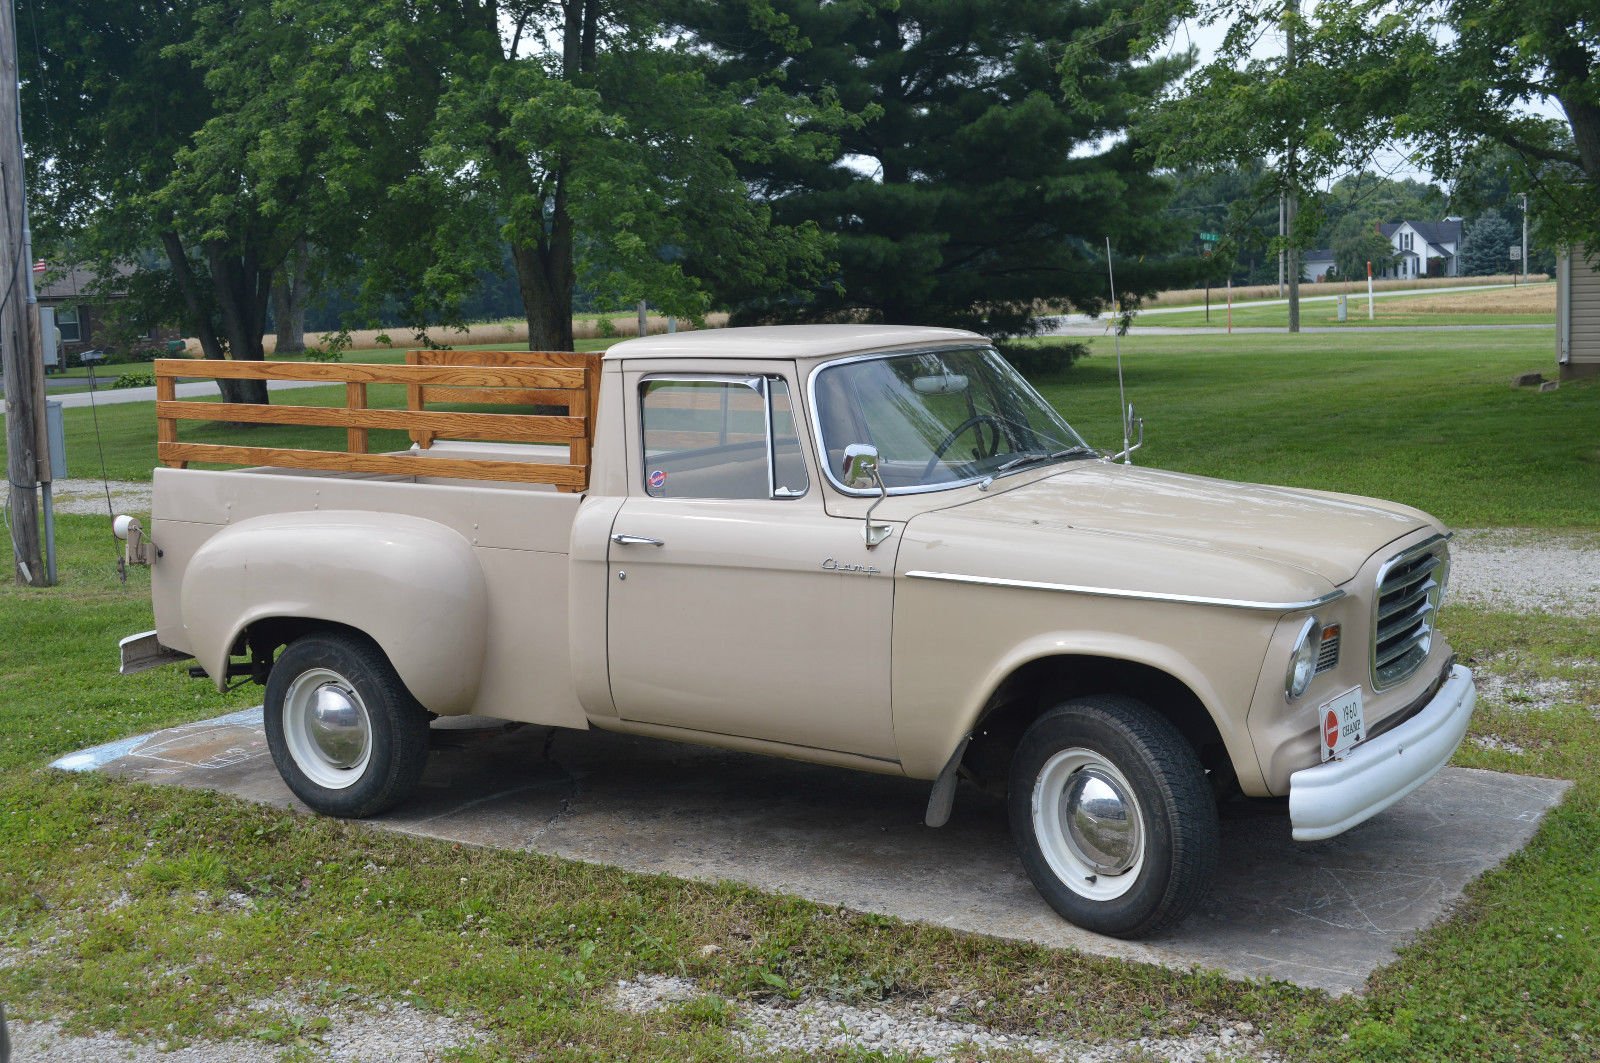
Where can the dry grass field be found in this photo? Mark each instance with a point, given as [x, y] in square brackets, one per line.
[511, 332]
[1532, 298]
[1197, 296]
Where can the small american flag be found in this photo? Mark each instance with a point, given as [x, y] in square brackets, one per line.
[39, 266]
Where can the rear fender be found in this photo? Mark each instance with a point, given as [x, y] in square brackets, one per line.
[412, 585]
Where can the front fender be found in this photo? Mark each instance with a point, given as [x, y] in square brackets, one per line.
[963, 706]
[413, 586]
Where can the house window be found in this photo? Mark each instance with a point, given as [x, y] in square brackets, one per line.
[68, 325]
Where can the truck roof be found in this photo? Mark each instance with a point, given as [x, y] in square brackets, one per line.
[787, 341]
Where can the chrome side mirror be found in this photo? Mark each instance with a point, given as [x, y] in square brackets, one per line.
[860, 472]
[861, 466]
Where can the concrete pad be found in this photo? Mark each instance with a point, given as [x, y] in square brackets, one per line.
[1323, 915]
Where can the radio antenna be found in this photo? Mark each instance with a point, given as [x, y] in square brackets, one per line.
[1122, 391]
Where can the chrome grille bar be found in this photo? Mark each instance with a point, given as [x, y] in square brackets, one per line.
[1403, 612]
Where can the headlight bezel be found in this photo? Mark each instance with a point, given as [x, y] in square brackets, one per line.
[1302, 667]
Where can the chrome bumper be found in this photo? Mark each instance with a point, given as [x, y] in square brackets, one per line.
[144, 651]
[1333, 797]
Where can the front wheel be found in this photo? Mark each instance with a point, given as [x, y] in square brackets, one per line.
[1112, 816]
[345, 733]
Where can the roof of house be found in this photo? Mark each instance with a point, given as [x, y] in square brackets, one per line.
[1435, 232]
[786, 342]
[1319, 253]
[74, 283]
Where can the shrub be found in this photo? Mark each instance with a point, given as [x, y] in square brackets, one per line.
[135, 380]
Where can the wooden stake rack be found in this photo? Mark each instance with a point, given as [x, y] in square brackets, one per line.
[519, 378]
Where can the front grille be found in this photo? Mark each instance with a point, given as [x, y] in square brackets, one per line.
[1402, 623]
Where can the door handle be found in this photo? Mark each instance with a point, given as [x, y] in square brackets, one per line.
[635, 540]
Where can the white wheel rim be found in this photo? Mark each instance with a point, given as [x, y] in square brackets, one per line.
[1112, 816]
[327, 728]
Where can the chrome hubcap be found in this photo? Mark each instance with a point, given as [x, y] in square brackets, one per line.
[1099, 821]
[326, 728]
[1088, 824]
[336, 725]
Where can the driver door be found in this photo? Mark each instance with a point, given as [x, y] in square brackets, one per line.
[737, 605]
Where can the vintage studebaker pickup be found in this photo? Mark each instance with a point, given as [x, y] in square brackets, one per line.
[867, 546]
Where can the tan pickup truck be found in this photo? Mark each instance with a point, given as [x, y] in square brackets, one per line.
[867, 546]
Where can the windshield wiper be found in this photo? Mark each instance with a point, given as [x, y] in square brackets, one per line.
[1039, 455]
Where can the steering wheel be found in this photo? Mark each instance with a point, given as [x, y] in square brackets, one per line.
[986, 449]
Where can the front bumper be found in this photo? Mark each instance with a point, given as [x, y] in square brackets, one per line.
[1333, 797]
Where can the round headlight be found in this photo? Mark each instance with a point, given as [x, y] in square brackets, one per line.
[1303, 659]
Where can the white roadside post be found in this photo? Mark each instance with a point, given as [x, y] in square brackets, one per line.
[1369, 289]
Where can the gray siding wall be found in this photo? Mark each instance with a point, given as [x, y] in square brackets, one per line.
[1577, 310]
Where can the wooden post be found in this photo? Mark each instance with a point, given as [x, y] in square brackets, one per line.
[16, 347]
[355, 398]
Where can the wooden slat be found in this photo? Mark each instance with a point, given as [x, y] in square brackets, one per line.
[562, 359]
[338, 373]
[572, 477]
[503, 427]
[415, 401]
[506, 396]
[355, 399]
[166, 427]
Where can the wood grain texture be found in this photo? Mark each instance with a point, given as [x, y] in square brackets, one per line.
[340, 373]
[556, 378]
[568, 476]
[498, 427]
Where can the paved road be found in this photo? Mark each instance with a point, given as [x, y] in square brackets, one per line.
[197, 389]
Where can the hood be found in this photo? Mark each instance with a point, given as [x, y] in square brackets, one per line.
[1320, 534]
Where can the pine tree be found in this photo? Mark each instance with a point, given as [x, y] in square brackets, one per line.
[1486, 247]
[974, 188]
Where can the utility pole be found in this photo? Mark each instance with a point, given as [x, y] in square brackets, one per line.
[1525, 256]
[1291, 173]
[17, 350]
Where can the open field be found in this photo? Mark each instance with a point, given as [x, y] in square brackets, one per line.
[1530, 304]
[165, 914]
[512, 333]
[1197, 296]
[1428, 419]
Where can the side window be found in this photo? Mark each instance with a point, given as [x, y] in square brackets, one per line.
[721, 439]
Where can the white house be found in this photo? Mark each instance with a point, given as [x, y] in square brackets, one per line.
[1422, 249]
[1315, 264]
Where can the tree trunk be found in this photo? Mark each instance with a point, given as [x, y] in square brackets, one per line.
[289, 298]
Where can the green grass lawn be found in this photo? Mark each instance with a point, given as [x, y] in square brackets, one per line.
[1427, 418]
[113, 896]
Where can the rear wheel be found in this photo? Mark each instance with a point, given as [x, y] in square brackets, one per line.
[345, 733]
[1112, 816]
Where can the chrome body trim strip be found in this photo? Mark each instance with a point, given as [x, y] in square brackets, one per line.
[1143, 596]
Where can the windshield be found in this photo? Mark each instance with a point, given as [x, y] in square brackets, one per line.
[939, 418]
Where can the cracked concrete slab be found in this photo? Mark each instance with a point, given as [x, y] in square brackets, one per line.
[1323, 915]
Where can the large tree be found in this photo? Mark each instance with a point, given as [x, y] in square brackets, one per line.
[184, 127]
[1441, 78]
[579, 135]
[973, 188]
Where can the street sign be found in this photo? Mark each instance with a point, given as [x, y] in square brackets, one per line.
[1516, 253]
[1210, 238]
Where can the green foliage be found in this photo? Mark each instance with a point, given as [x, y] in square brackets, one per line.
[135, 380]
[1449, 78]
[1486, 246]
[1356, 241]
[971, 185]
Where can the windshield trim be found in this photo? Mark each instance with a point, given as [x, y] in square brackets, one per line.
[919, 489]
